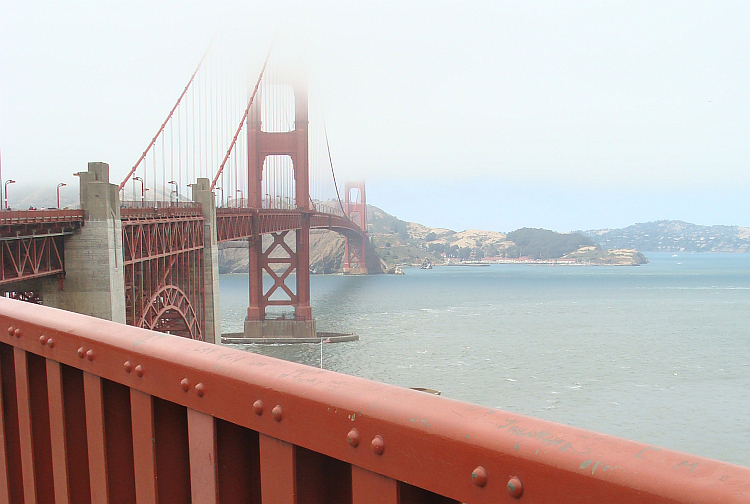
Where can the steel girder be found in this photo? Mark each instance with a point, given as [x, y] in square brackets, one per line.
[31, 257]
[235, 224]
[25, 223]
[164, 284]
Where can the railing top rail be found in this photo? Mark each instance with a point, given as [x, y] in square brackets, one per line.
[459, 450]
[39, 216]
[156, 209]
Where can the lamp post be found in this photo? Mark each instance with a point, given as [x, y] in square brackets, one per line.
[61, 184]
[143, 191]
[242, 198]
[222, 194]
[6, 192]
[177, 194]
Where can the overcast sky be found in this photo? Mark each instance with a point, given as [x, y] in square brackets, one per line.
[492, 115]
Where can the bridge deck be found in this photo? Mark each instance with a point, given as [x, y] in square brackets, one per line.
[95, 410]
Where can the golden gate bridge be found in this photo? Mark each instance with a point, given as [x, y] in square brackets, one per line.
[267, 167]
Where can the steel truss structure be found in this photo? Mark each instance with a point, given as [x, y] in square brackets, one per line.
[164, 284]
[31, 257]
[239, 223]
[31, 242]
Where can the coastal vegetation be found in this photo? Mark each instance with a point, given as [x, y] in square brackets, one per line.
[544, 244]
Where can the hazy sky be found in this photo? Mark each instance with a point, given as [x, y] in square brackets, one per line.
[492, 115]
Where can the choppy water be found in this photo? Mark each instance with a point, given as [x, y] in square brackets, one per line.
[658, 353]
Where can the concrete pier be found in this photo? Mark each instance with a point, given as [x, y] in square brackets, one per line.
[279, 328]
[207, 200]
[94, 275]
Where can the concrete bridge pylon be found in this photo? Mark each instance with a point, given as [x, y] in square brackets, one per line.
[94, 281]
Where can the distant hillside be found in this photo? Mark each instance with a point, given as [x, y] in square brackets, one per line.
[674, 236]
[406, 243]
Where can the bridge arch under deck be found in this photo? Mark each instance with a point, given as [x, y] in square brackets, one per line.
[169, 311]
[96, 410]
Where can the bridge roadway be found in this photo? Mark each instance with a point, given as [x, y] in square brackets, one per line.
[31, 240]
[98, 412]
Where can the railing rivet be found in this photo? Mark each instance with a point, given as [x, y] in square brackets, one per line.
[51, 343]
[10, 330]
[515, 488]
[258, 407]
[184, 384]
[353, 437]
[17, 332]
[90, 355]
[42, 339]
[377, 445]
[139, 370]
[199, 390]
[128, 367]
[479, 476]
[276, 413]
[81, 353]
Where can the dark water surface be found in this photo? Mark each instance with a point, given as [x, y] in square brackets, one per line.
[658, 353]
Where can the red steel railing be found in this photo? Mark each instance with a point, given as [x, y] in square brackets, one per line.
[134, 210]
[15, 217]
[95, 411]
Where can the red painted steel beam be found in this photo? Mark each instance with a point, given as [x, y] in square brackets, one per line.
[233, 225]
[155, 211]
[462, 451]
[27, 258]
[28, 223]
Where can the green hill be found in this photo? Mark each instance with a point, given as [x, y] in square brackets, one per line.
[545, 244]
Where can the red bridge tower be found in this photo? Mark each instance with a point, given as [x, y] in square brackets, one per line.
[355, 248]
[283, 256]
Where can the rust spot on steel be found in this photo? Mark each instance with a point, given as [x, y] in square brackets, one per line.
[557, 463]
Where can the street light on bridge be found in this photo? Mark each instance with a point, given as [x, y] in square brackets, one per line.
[176, 193]
[143, 191]
[61, 184]
[242, 198]
[222, 194]
[7, 207]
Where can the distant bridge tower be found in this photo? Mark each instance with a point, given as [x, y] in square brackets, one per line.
[278, 141]
[355, 248]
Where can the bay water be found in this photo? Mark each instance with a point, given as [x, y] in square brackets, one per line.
[658, 353]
